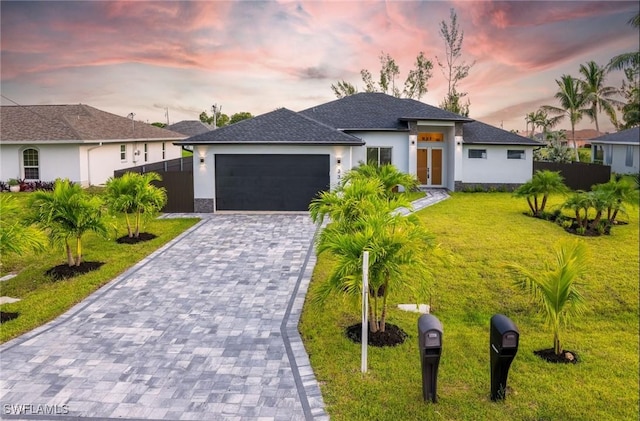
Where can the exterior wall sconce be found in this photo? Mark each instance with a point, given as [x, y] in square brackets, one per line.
[338, 160]
[202, 160]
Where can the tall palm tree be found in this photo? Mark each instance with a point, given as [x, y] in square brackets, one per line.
[572, 105]
[530, 118]
[627, 60]
[67, 213]
[554, 289]
[600, 97]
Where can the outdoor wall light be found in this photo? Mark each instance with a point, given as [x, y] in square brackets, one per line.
[339, 160]
[202, 160]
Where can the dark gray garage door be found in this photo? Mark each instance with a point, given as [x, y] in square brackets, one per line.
[269, 182]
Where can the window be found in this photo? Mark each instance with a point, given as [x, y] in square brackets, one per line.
[515, 154]
[380, 156]
[628, 160]
[608, 154]
[123, 152]
[478, 153]
[164, 151]
[146, 152]
[30, 164]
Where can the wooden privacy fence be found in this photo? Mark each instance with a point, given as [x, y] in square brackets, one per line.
[177, 179]
[577, 175]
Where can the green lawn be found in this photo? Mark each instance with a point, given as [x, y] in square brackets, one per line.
[484, 231]
[43, 300]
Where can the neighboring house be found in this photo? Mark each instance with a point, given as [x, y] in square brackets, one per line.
[280, 160]
[620, 150]
[190, 127]
[78, 142]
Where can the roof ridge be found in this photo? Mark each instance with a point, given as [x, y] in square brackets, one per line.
[326, 125]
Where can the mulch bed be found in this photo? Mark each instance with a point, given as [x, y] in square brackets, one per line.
[143, 236]
[565, 357]
[6, 316]
[65, 271]
[392, 335]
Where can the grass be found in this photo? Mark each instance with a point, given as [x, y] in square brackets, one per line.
[43, 299]
[484, 231]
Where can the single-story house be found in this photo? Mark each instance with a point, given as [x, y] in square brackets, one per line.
[281, 159]
[190, 127]
[78, 142]
[620, 150]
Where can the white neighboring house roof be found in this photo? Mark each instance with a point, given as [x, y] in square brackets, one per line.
[625, 137]
[73, 124]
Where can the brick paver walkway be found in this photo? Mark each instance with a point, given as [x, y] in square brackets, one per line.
[203, 329]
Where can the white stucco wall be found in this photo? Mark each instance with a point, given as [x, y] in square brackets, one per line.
[55, 161]
[496, 168]
[87, 164]
[397, 141]
[204, 174]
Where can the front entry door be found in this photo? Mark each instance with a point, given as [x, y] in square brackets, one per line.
[430, 166]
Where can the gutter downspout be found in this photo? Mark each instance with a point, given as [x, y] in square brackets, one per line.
[89, 162]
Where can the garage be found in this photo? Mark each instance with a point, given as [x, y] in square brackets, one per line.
[269, 182]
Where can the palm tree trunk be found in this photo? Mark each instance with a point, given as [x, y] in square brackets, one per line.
[78, 250]
[557, 348]
[373, 322]
[137, 234]
[129, 230]
[596, 220]
[533, 211]
[383, 316]
[70, 260]
[535, 201]
[544, 202]
[573, 139]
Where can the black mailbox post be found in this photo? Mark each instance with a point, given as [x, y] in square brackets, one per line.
[504, 337]
[430, 342]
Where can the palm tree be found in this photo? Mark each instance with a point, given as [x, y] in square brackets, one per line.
[134, 194]
[537, 190]
[397, 247]
[600, 97]
[618, 192]
[67, 212]
[554, 289]
[16, 237]
[579, 202]
[572, 105]
[388, 175]
[530, 118]
[627, 60]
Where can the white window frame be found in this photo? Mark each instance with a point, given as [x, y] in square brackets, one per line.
[146, 152]
[123, 152]
[30, 167]
[164, 151]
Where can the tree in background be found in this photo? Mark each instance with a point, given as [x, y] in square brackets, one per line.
[415, 85]
[598, 97]
[573, 104]
[629, 63]
[240, 116]
[223, 119]
[158, 124]
[453, 70]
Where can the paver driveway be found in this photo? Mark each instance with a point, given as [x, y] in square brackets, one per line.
[203, 329]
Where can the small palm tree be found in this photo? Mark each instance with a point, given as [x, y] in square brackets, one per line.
[15, 236]
[134, 194]
[537, 190]
[67, 212]
[618, 193]
[579, 202]
[388, 175]
[554, 289]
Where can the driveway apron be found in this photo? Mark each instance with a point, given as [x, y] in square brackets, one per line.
[203, 329]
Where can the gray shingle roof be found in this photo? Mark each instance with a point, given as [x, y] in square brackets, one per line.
[72, 124]
[629, 136]
[476, 132]
[281, 126]
[369, 110]
[190, 127]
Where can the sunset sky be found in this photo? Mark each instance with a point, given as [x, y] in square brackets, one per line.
[143, 57]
